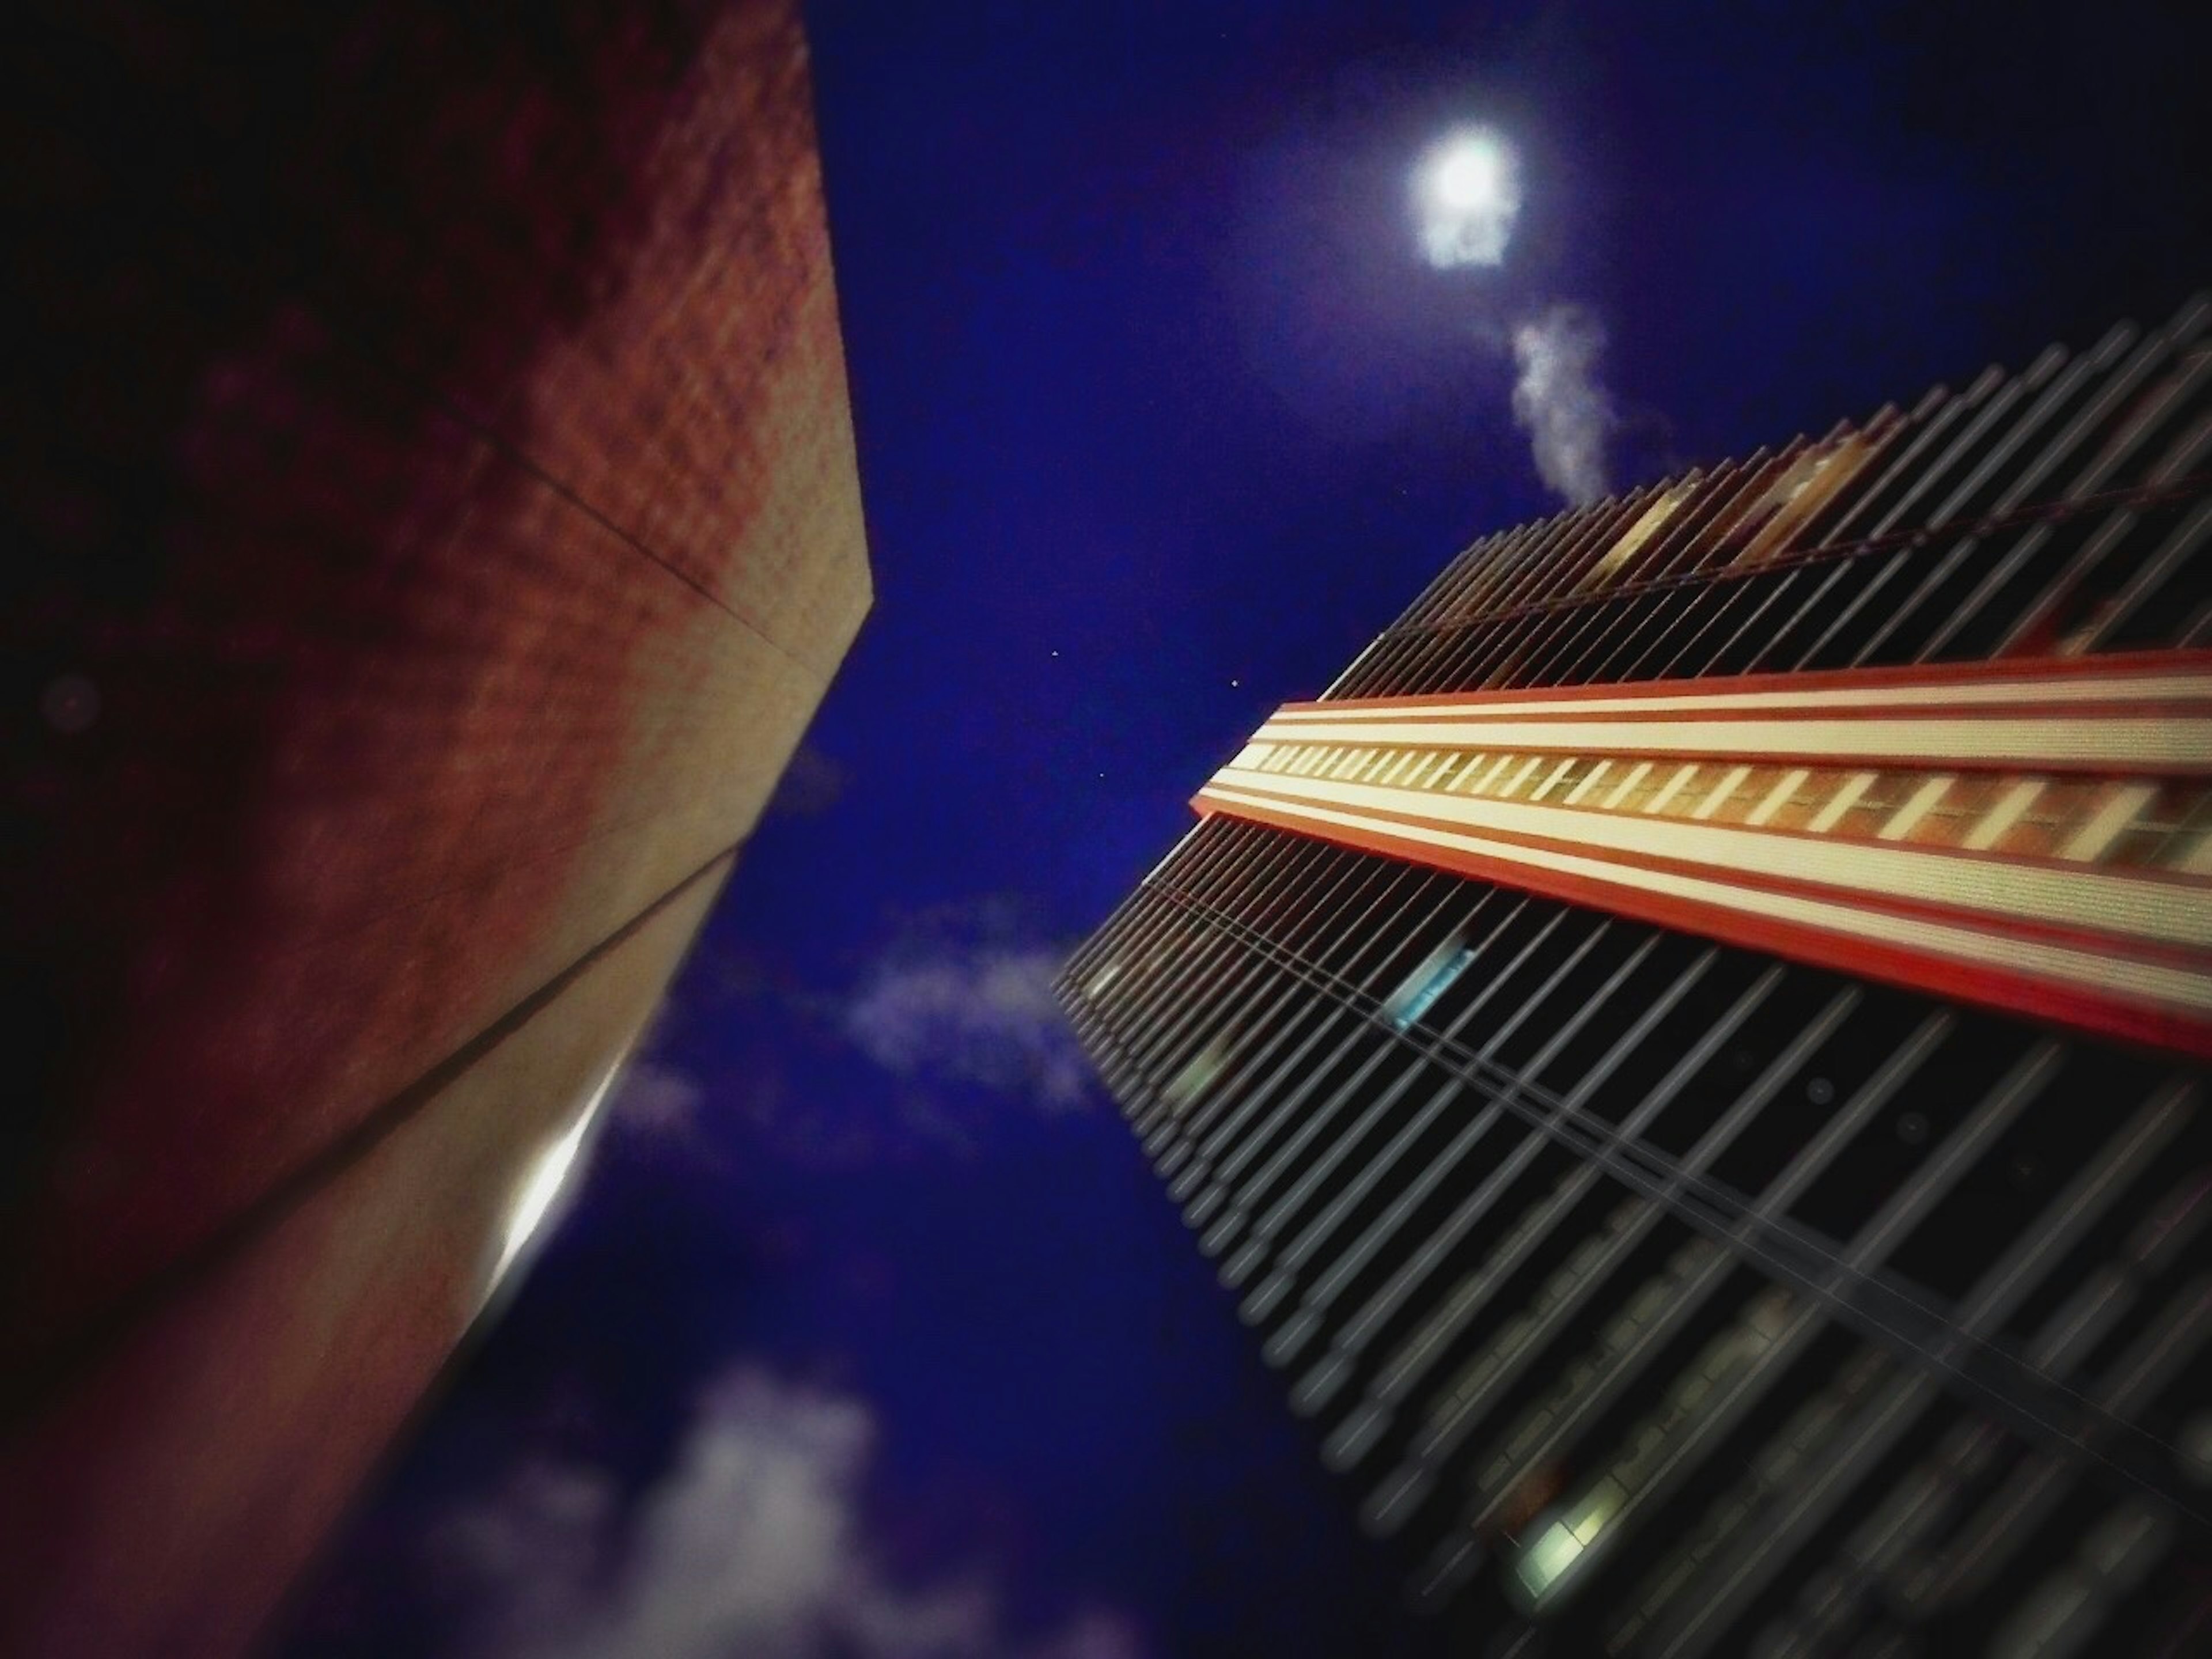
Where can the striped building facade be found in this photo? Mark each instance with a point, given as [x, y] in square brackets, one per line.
[1689, 1056]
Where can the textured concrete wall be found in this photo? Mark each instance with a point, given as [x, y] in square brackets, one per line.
[426, 448]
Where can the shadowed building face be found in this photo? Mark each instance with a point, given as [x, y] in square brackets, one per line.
[430, 445]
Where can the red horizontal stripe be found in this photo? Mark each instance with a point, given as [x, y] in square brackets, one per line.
[2036, 767]
[2009, 991]
[1356, 715]
[1261, 783]
[2116, 665]
[2102, 943]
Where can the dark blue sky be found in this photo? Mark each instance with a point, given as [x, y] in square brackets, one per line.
[1161, 417]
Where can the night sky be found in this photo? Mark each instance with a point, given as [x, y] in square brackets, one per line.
[867, 1332]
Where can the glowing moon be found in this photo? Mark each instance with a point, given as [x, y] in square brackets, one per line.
[1466, 176]
[1468, 192]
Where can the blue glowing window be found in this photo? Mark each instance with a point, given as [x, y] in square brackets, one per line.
[1427, 982]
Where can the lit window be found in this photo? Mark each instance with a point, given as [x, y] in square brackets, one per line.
[1197, 1072]
[1648, 524]
[1801, 492]
[1419, 991]
[1545, 1562]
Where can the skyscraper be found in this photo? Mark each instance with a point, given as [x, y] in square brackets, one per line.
[433, 519]
[1689, 1055]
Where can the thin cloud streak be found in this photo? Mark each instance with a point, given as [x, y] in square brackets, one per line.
[1560, 402]
[656, 1098]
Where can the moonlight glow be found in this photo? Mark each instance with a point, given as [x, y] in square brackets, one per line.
[1467, 179]
[1468, 192]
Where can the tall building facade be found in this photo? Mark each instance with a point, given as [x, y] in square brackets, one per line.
[433, 519]
[1689, 1056]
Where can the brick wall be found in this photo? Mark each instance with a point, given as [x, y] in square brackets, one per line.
[426, 446]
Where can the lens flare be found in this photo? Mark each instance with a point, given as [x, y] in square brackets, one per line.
[542, 1181]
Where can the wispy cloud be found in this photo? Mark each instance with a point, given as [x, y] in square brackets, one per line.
[1559, 400]
[955, 1005]
[753, 1544]
[977, 1010]
[655, 1098]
